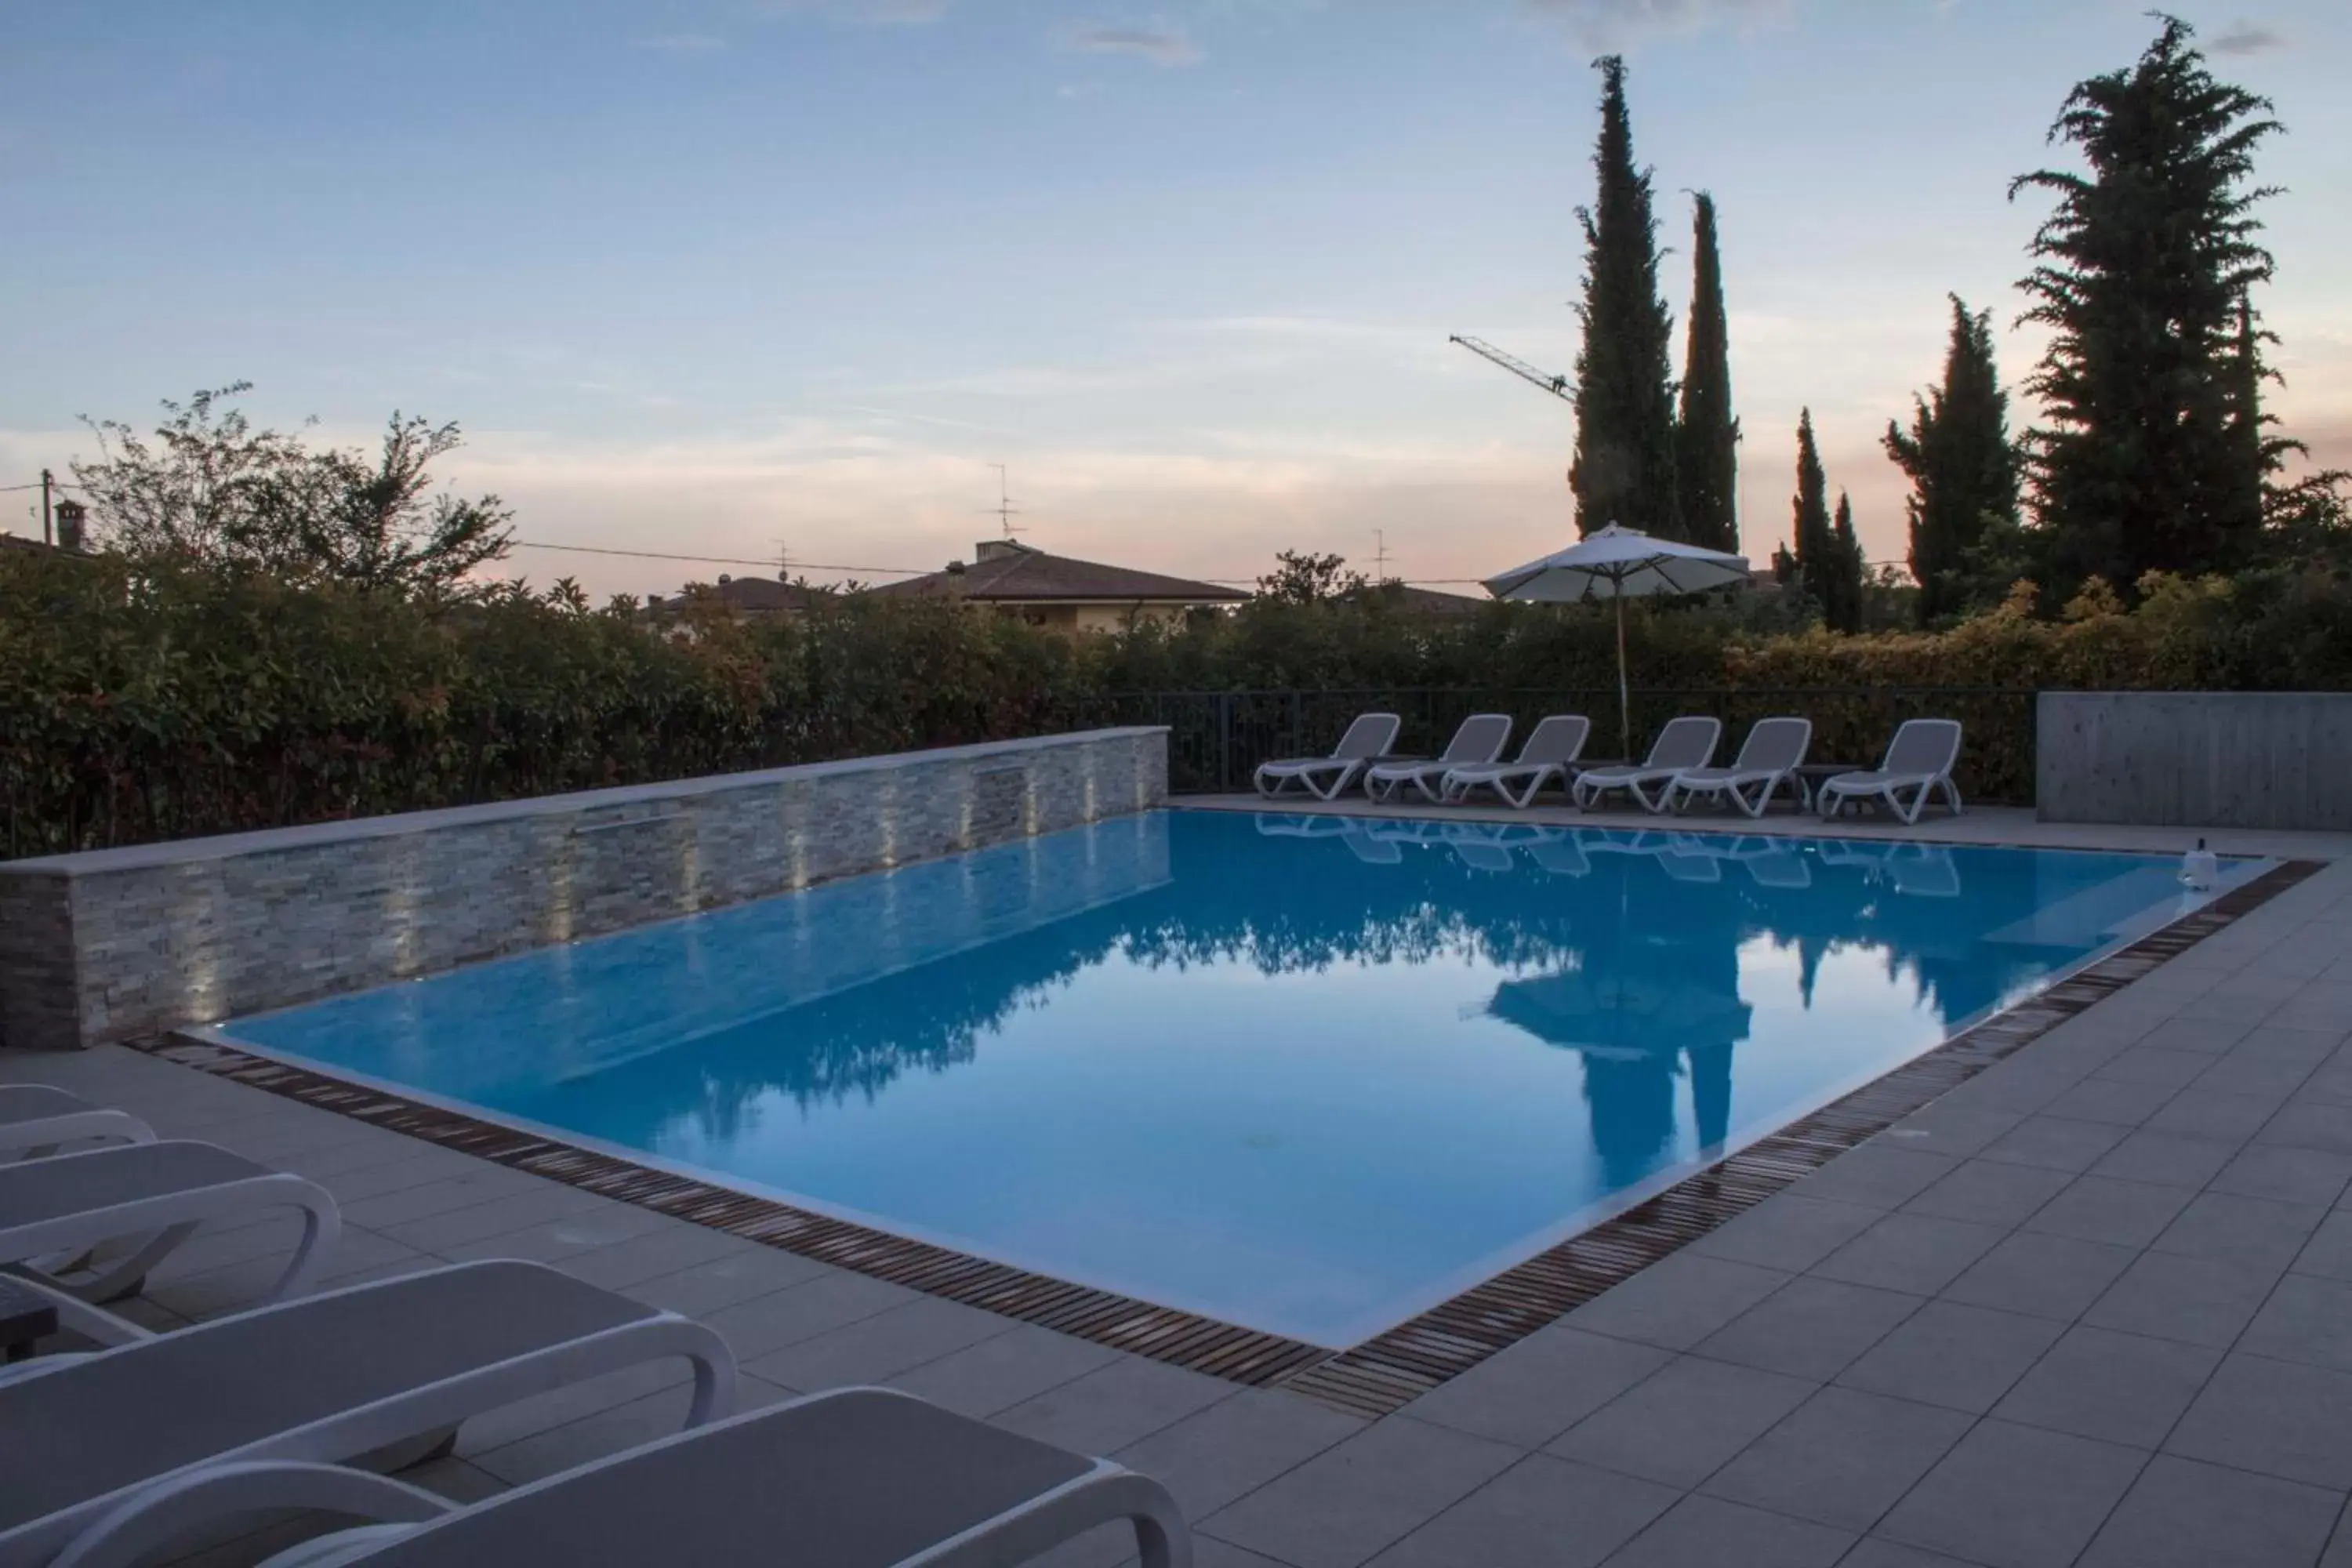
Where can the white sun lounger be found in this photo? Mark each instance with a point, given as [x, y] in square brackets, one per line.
[1479, 849]
[1371, 735]
[1372, 849]
[1918, 764]
[1403, 830]
[859, 1476]
[1862, 852]
[1923, 871]
[70, 1203]
[1562, 853]
[1480, 739]
[1685, 742]
[1774, 865]
[1554, 744]
[1769, 758]
[328, 1379]
[1689, 859]
[36, 1119]
[1302, 827]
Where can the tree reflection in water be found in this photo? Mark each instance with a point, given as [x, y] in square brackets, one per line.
[1622, 947]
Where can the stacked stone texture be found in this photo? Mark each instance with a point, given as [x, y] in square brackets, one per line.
[117, 943]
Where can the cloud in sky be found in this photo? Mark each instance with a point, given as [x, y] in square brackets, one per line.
[2248, 38]
[1158, 43]
[1612, 23]
[683, 43]
[878, 12]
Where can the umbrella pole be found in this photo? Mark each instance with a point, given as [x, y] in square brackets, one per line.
[1624, 700]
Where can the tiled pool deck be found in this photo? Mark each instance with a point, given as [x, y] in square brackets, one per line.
[2093, 1305]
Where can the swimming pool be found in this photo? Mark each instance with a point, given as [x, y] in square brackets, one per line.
[1306, 1075]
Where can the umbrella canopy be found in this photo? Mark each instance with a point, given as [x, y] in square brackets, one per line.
[1621, 564]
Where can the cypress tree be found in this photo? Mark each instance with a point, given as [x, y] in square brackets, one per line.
[1816, 545]
[1624, 469]
[1706, 435]
[2141, 274]
[1962, 467]
[1843, 610]
[2259, 454]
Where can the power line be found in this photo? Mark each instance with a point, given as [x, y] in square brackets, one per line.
[822, 565]
[878, 571]
[718, 560]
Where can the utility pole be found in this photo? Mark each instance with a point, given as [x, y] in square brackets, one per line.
[47, 480]
[1379, 556]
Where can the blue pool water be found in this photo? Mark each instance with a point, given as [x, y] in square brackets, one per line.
[1302, 1075]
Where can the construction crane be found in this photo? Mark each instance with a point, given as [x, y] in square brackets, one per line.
[1558, 385]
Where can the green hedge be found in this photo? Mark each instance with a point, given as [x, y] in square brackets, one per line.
[138, 705]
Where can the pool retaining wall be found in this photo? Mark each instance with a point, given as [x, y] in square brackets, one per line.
[115, 943]
[2195, 759]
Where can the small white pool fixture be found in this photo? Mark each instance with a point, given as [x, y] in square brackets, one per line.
[2199, 868]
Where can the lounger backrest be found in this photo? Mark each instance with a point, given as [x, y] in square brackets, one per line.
[1775, 745]
[1780, 869]
[1686, 742]
[1926, 869]
[1481, 739]
[1924, 746]
[1561, 856]
[1558, 739]
[1371, 735]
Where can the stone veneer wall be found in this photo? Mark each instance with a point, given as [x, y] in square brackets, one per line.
[120, 942]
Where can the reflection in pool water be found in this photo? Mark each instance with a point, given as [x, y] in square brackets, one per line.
[1305, 1073]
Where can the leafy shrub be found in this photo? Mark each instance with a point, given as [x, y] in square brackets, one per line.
[139, 703]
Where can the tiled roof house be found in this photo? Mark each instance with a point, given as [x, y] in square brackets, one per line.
[1061, 592]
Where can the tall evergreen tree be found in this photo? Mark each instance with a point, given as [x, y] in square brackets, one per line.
[1962, 467]
[2141, 273]
[1706, 434]
[1842, 608]
[1624, 469]
[2255, 453]
[1815, 543]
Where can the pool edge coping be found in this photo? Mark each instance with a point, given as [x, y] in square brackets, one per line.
[1381, 1374]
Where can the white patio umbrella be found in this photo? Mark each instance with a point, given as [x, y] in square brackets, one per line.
[1621, 564]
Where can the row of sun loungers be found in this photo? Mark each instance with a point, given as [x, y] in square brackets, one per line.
[1769, 861]
[110, 1457]
[1678, 772]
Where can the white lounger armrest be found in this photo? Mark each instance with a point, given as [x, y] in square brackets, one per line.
[161, 1191]
[865, 1475]
[235, 1390]
[167, 1512]
[36, 1119]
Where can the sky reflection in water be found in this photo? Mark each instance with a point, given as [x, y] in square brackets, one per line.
[1294, 1073]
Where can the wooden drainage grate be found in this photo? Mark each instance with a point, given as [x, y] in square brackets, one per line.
[1383, 1373]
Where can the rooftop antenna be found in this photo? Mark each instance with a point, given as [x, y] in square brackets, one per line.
[1379, 556]
[784, 562]
[1005, 511]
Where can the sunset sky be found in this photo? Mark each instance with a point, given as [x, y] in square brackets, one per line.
[720, 279]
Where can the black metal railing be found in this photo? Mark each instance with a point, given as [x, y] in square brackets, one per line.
[1216, 739]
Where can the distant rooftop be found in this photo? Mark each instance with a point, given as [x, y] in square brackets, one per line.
[1009, 573]
[26, 542]
[756, 595]
[1409, 600]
